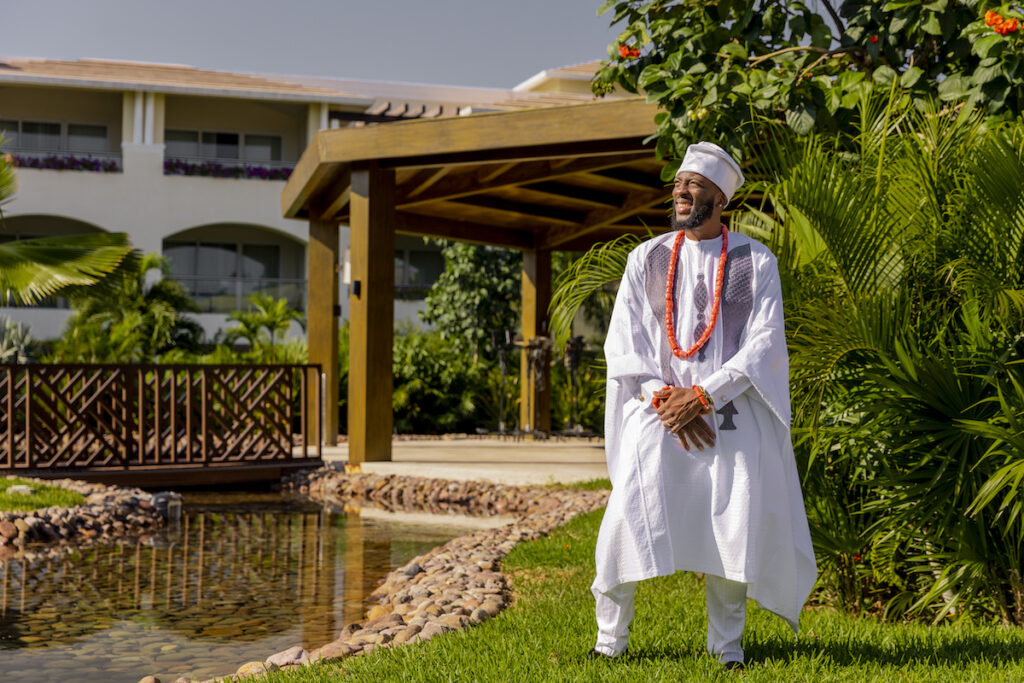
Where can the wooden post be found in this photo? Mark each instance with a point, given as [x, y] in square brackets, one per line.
[371, 312]
[322, 327]
[536, 295]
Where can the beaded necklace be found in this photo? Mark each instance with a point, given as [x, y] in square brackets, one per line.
[670, 297]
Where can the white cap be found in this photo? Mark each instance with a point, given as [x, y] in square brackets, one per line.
[715, 164]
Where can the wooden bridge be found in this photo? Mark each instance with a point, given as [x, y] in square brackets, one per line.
[159, 425]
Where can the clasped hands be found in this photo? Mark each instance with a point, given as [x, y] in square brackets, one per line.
[680, 410]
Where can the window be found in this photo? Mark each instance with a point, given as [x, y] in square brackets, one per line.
[213, 145]
[85, 138]
[222, 276]
[425, 267]
[9, 133]
[262, 148]
[181, 143]
[220, 145]
[40, 136]
[37, 136]
[260, 261]
[416, 270]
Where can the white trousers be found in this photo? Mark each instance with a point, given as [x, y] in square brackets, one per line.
[727, 614]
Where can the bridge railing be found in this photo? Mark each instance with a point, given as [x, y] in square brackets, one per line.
[102, 417]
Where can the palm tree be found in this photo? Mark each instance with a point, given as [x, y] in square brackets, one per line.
[137, 323]
[33, 269]
[265, 325]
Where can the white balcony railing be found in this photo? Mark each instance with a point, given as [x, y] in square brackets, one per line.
[224, 295]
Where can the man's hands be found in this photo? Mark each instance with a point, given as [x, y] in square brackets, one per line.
[680, 411]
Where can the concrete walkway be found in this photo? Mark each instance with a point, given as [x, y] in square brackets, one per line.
[499, 460]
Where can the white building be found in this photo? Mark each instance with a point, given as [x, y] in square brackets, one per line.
[191, 163]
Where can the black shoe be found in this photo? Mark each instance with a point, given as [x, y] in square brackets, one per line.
[594, 654]
[734, 666]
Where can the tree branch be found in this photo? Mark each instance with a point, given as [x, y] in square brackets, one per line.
[825, 54]
[835, 17]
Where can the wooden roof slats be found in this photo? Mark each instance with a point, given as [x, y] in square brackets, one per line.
[480, 180]
[600, 218]
[541, 214]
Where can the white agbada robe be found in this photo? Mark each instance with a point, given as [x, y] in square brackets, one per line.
[735, 509]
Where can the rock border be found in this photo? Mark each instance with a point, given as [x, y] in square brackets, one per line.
[109, 512]
[453, 586]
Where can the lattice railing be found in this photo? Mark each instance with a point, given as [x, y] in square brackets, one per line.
[121, 416]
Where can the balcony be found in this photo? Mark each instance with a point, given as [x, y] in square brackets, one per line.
[219, 167]
[64, 160]
[224, 295]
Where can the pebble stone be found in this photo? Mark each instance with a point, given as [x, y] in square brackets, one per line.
[108, 512]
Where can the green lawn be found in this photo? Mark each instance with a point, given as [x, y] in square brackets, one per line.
[544, 635]
[43, 496]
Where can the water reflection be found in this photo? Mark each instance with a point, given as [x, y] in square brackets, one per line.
[242, 577]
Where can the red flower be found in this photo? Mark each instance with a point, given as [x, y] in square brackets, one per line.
[873, 39]
[636, 53]
[623, 51]
[992, 18]
[856, 558]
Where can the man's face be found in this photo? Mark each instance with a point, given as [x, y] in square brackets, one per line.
[693, 200]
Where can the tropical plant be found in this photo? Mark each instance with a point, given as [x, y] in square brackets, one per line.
[901, 249]
[34, 269]
[718, 69]
[264, 327]
[477, 294]
[15, 342]
[436, 384]
[138, 322]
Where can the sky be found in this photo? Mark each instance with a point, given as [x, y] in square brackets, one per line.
[484, 43]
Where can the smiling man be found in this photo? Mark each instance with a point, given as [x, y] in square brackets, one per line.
[697, 423]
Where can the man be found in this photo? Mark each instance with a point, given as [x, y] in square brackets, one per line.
[697, 423]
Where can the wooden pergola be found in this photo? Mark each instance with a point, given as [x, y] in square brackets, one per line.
[537, 180]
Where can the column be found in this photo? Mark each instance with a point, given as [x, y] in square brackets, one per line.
[322, 324]
[534, 405]
[371, 312]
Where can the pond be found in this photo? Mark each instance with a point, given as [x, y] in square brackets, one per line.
[244, 575]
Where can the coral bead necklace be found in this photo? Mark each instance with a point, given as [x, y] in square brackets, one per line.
[670, 286]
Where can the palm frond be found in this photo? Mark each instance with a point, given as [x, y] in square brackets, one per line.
[600, 267]
[33, 269]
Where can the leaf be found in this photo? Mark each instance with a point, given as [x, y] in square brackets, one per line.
[984, 47]
[734, 51]
[883, 75]
[801, 118]
[953, 87]
[932, 25]
[911, 76]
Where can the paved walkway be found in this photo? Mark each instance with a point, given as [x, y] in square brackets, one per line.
[499, 460]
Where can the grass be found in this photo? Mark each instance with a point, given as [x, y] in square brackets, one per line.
[42, 497]
[545, 634]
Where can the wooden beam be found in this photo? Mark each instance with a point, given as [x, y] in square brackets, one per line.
[535, 404]
[539, 213]
[484, 180]
[425, 179]
[342, 184]
[607, 120]
[599, 218]
[463, 231]
[371, 312]
[304, 180]
[322, 322]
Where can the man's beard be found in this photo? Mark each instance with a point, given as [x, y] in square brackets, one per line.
[699, 213]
